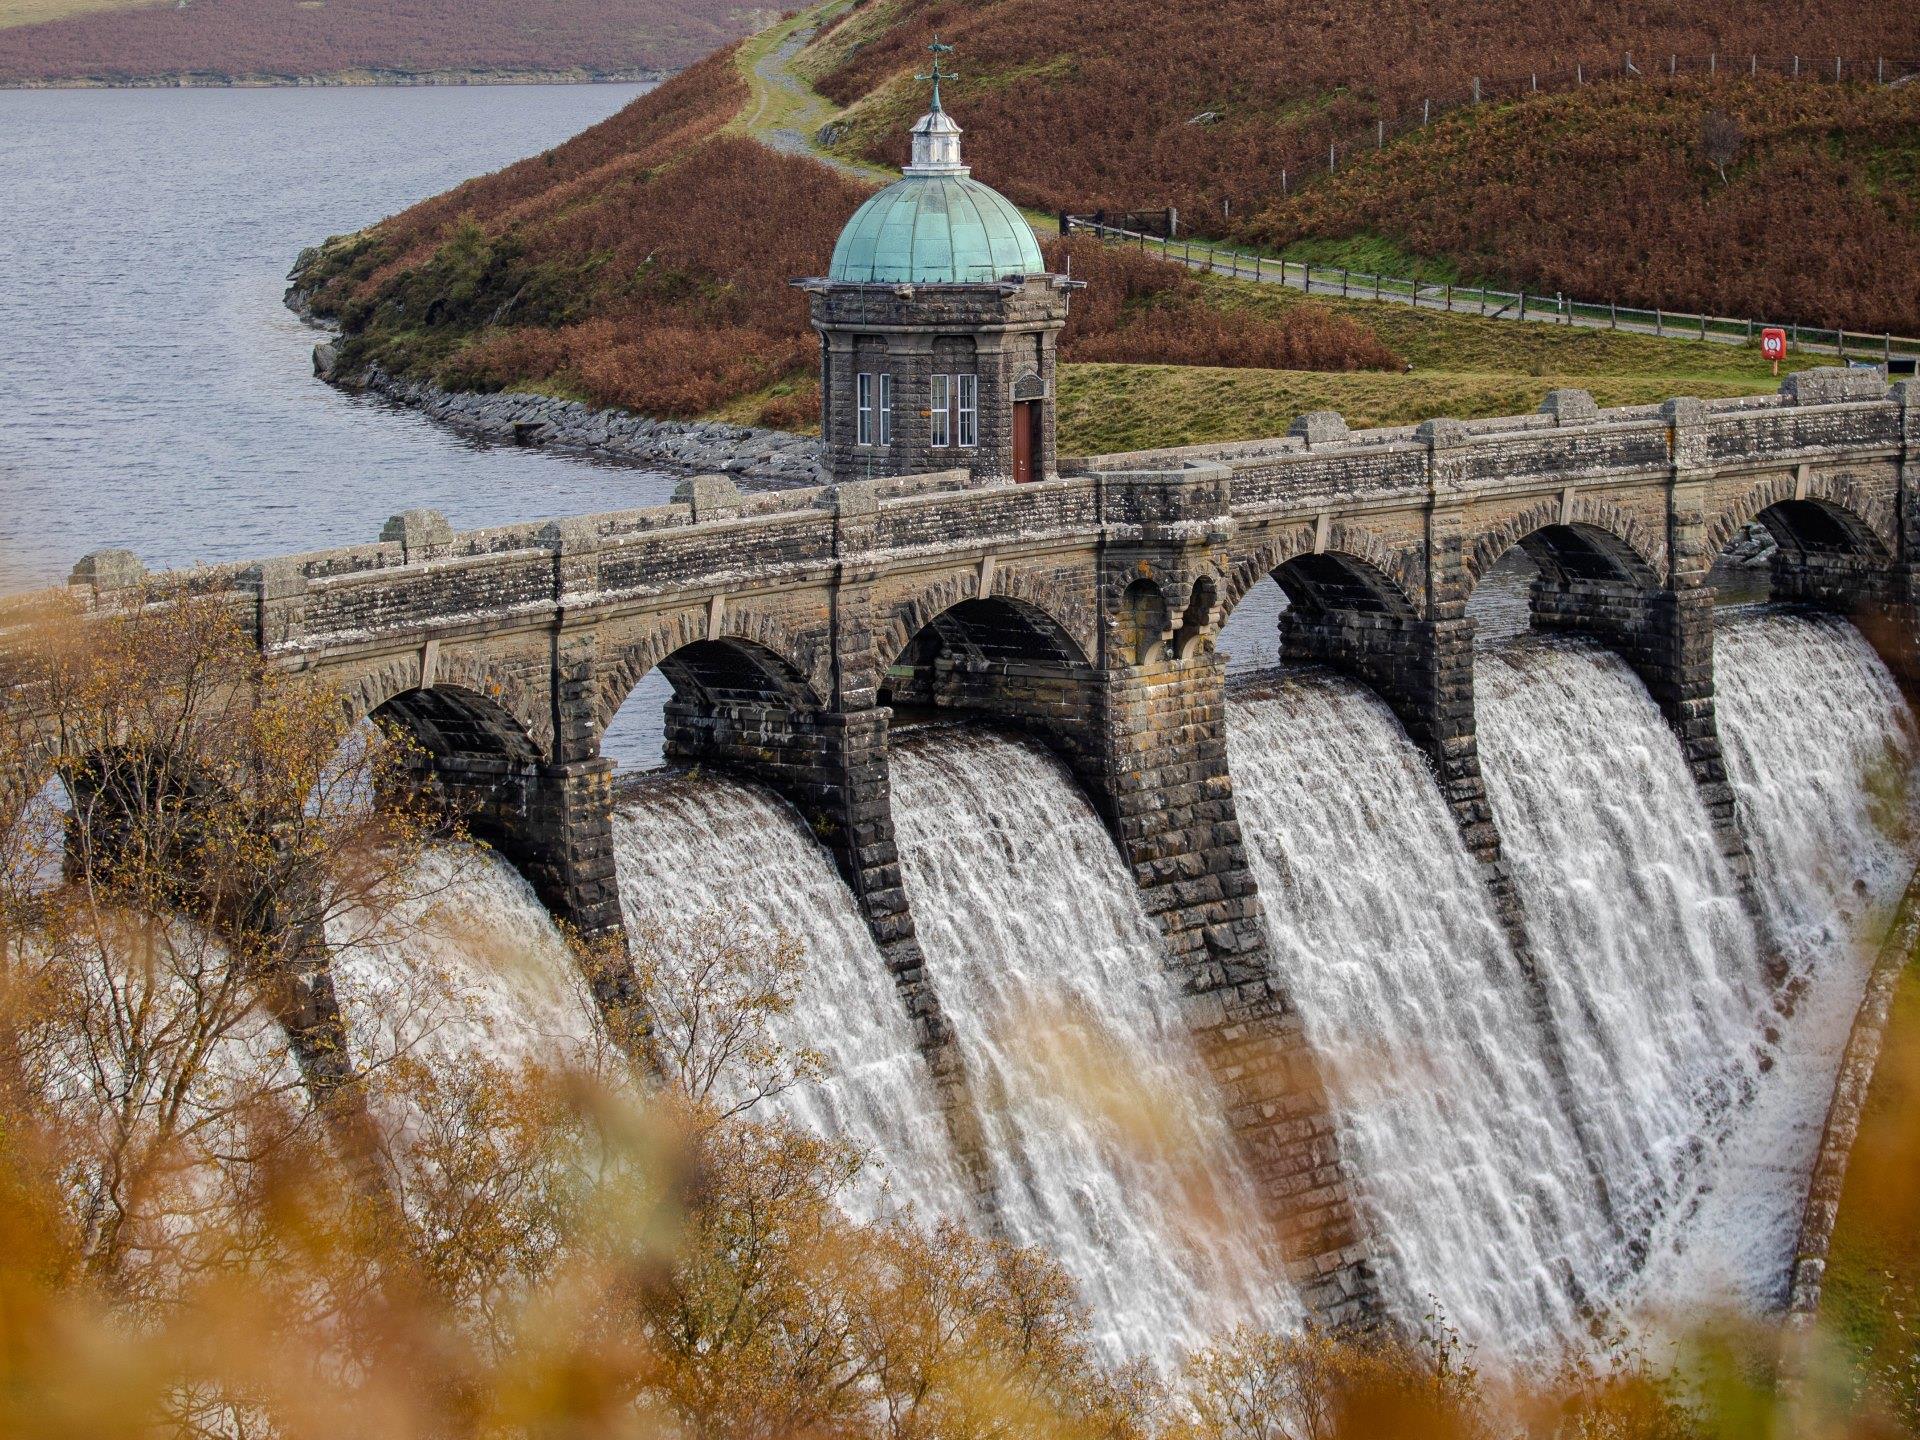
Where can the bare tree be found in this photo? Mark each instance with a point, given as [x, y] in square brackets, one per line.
[1722, 138]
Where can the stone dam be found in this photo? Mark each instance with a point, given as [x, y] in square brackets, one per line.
[806, 632]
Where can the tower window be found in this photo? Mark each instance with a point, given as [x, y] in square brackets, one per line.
[940, 411]
[969, 409]
[886, 408]
[863, 393]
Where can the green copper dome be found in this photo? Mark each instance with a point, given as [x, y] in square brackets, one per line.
[944, 229]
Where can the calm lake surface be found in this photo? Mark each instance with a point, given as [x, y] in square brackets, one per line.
[155, 393]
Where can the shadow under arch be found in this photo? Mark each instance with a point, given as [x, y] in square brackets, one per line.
[1569, 554]
[1829, 556]
[1342, 612]
[1000, 659]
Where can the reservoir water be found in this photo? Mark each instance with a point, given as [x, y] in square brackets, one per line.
[155, 394]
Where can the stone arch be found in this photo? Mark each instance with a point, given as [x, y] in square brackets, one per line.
[1582, 531]
[1042, 601]
[1196, 622]
[1142, 621]
[518, 721]
[788, 666]
[1866, 520]
[1388, 573]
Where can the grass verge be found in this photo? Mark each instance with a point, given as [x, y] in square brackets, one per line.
[1871, 1302]
[1136, 407]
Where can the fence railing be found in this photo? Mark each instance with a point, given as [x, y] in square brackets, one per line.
[1326, 152]
[1897, 354]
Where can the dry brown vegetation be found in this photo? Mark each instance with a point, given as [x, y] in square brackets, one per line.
[1603, 193]
[257, 39]
[1617, 192]
[1066, 103]
[645, 264]
[1140, 310]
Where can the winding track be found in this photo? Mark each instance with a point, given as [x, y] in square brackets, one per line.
[784, 112]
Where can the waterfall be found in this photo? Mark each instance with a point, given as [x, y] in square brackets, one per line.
[1650, 961]
[470, 966]
[1624, 1131]
[1106, 1137]
[690, 850]
[1819, 746]
[1468, 1172]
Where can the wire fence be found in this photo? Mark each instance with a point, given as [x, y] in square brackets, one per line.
[1327, 152]
[1896, 354]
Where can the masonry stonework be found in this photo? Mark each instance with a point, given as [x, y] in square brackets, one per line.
[800, 629]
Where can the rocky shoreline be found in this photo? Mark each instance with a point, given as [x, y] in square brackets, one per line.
[768, 458]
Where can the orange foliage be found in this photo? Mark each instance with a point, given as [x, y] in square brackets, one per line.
[1090, 104]
[1609, 193]
[644, 264]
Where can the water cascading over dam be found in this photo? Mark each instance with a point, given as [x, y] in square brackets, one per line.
[700, 852]
[1629, 1126]
[1381, 924]
[1106, 1139]
[1820, 747]
[1649, 961]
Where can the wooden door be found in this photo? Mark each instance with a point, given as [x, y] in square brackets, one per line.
[1026, 439]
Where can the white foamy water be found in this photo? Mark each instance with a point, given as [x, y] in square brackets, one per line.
[1698, 1088]
[1818, 744]
[1467, 1169]
[472, 968]
[1649, 957]
[689, 849]
[1107, 1139]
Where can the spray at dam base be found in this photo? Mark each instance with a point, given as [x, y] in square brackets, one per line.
[1620, 1133]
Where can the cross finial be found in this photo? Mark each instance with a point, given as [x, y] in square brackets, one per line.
[938, 74]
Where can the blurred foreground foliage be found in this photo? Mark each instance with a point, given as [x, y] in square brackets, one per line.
[224, 1216]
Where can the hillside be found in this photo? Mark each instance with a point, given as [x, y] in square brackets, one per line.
[266, 40]
[645, 263]
[1604, 192]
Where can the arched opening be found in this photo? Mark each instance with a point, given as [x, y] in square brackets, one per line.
[1329, 609]
[1812, 552]
[998, 658]
[1806, 550]
[1317, 585]
[1560, 578]
[448, 723]
[1143, 622]
[1192, 638]
[707, 702]
[470, 753]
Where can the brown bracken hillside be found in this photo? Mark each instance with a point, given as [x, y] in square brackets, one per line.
[283, 39]
[1607, 192]
[645, 264]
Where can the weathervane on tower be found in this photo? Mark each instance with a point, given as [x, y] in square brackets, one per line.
[938, 74]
